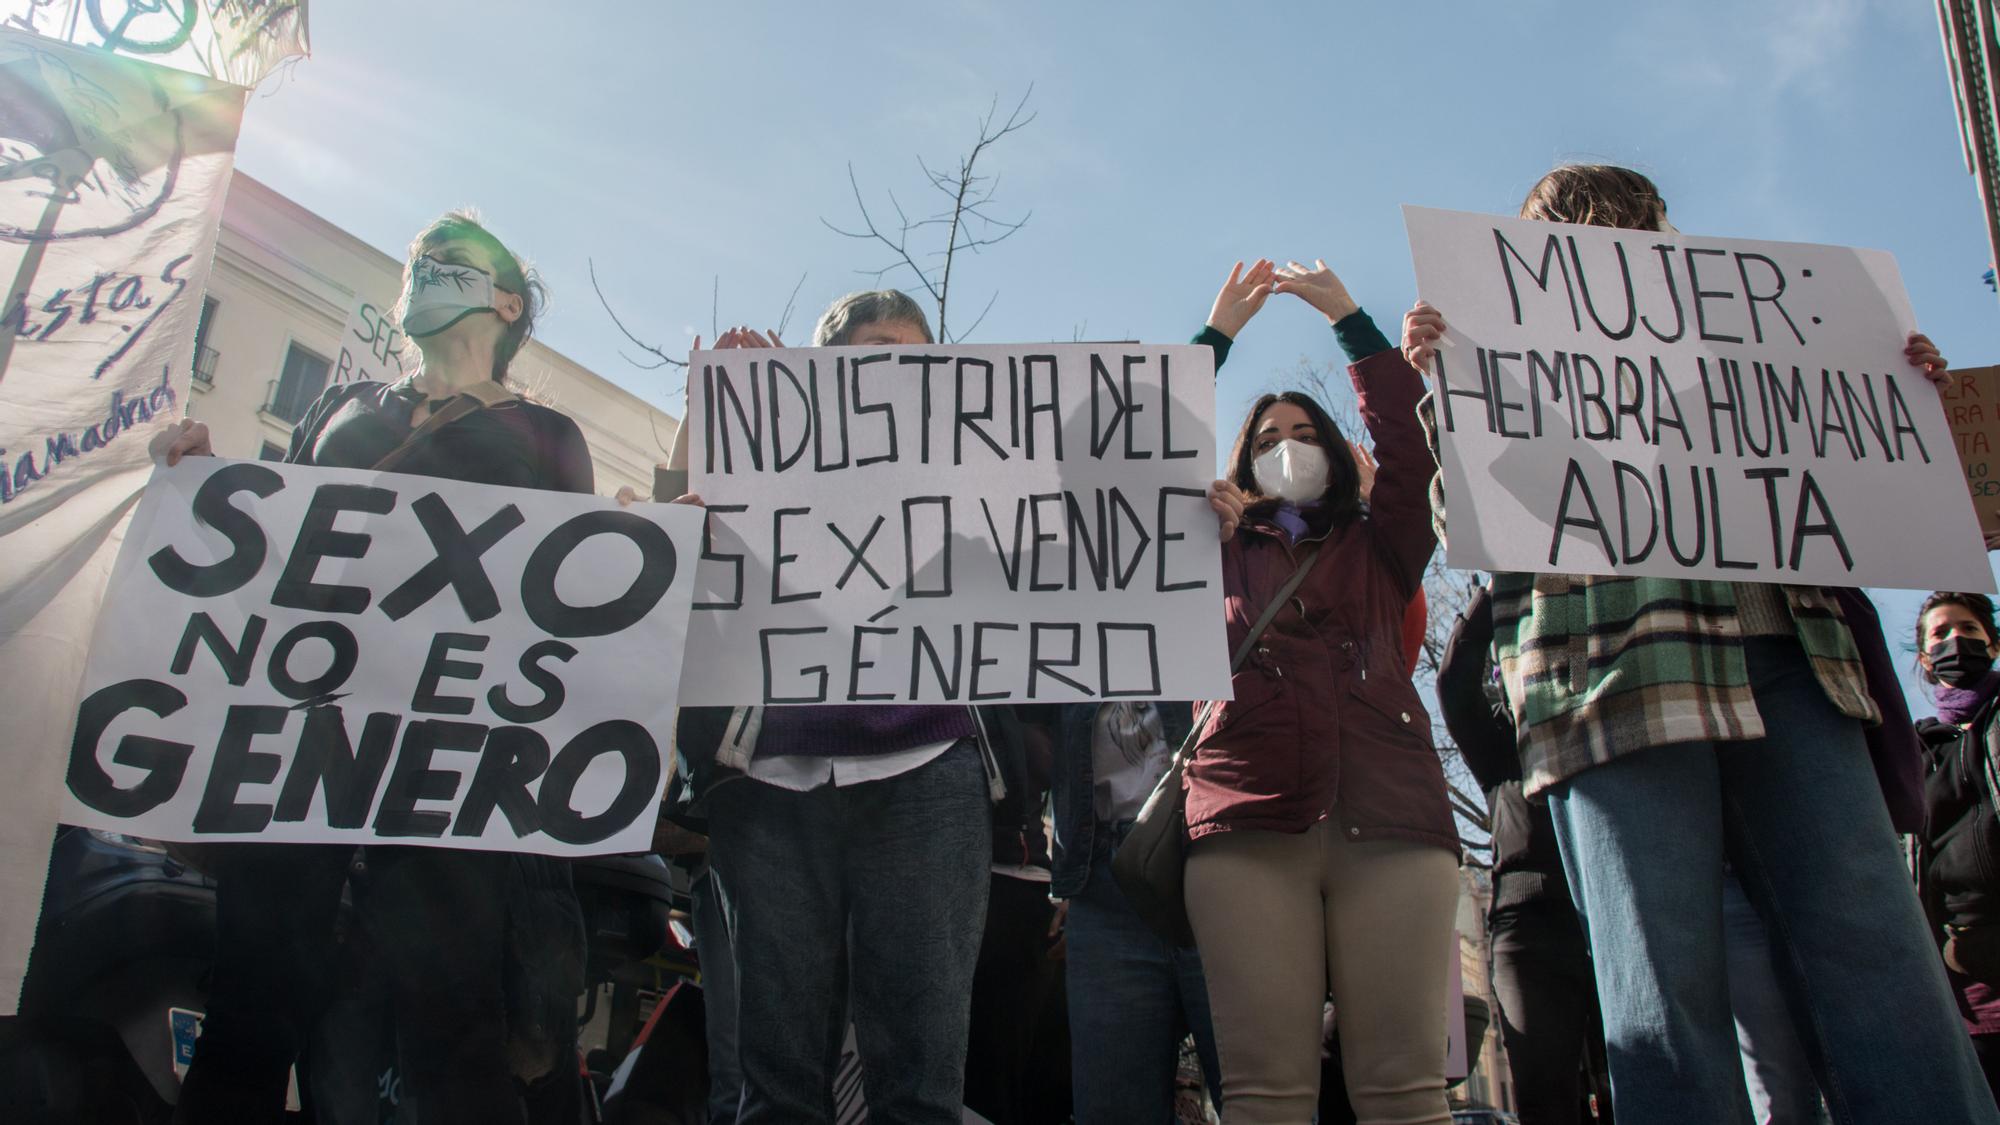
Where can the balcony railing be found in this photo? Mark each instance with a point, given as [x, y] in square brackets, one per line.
[289, 399]
[204, 364]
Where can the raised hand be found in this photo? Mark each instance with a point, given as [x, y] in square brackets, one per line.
[1241, 296]
[1318, 287]
[748, 338]
[1423, 328]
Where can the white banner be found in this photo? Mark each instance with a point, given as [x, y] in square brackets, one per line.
[956, 523]
[371, 345]
[1631, 402]
[112, 178]
[303, 654]
[234, 41]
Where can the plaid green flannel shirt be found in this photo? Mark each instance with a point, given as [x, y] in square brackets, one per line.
[1596, 667]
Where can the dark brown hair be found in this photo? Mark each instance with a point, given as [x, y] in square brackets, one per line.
[849, 315]
[513, 275]
[1342, 499]
[1979, 605]
[1598, 195]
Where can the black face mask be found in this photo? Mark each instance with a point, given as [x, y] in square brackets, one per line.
[1960, 661]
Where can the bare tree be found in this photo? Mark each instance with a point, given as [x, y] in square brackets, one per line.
[1446, 593]
[964, 218]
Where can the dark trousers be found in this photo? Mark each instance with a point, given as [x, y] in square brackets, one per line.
[1548, 1010]
[870, 897]
[1011, 990]
[1987, 1047]
[437, 921]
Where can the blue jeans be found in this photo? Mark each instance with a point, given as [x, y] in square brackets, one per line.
[1132, 998]
[718, 994]
[869, 896]
[1777, 1071]
[1799, 816]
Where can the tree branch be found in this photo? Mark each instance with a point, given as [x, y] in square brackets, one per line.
[665, 359]
[791, 302]
[966, 224]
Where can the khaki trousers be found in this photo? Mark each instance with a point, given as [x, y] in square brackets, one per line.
[1281, 917]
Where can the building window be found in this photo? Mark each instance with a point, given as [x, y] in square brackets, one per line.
[204, 356]
[295, 389]
[271, 452]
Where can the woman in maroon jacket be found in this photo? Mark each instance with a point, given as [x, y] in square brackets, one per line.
[1322, 849]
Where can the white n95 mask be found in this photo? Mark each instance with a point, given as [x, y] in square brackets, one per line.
[441, 294]
[1291, 470]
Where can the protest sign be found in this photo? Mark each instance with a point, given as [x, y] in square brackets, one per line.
[320, 655]
[233, 41]
[371, 345]
[955, 524]
[1972, 406]
[115, 176]
[1644, 403]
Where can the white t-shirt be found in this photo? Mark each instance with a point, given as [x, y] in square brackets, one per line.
[800, 772]
[1128, 756]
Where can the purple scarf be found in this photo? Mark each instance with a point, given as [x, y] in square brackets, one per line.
[1291, 518]
[1957, 705]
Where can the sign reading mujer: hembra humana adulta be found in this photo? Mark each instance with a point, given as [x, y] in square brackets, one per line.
[1653, 403]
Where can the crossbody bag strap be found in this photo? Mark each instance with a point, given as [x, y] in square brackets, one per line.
[1256, 632]
[1270, 613]
[465, 402]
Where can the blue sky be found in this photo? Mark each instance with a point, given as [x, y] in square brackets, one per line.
[677, 144]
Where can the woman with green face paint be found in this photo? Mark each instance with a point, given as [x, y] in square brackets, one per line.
[436, 924]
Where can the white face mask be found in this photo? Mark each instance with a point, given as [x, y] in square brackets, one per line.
[441, 294]
[1291, 470]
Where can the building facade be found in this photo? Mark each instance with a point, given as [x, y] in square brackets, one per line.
[1971, 31]
[278, 299]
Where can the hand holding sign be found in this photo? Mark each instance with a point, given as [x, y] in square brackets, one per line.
[1924, 357]
[1423, 331]
[1228, 502]
[185, 438]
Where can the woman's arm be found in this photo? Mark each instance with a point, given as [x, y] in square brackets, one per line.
[1242, 295]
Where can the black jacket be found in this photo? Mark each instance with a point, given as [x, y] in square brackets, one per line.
[1527, 868]
[1958, 851]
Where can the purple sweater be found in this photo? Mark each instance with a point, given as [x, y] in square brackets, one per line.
[849, 732]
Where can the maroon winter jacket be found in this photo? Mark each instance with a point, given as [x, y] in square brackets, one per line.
[1325, 716]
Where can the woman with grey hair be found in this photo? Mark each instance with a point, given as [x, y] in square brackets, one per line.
[850, 861]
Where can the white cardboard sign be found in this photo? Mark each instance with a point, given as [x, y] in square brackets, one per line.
[371, 345]
[955, 524]
[321, 655]
[1640, 403]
